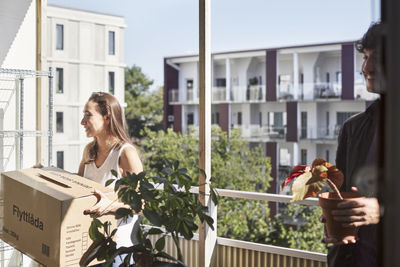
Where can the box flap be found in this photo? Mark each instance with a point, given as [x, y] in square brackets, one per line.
[58, 183]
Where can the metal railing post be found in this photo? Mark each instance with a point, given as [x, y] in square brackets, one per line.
[50, 145]
[21, 122]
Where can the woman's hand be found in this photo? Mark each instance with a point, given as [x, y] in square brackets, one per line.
[103, 205]
[38, 165]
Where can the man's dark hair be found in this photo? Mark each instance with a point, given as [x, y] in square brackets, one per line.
[371, 38]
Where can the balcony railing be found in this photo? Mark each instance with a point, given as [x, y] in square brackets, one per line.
[173, 96]
[236, 253]
[191, 97]
[262, 132]
[251, 93]
[309, 91]
[321, 133]
[327, 90]
[218, 94]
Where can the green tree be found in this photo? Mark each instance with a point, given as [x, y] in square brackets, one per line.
[306, 235]
[234, 165]
[144, 107]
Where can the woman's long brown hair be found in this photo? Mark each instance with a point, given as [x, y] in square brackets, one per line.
[108, 105]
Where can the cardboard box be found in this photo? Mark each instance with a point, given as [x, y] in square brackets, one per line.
[43, 214]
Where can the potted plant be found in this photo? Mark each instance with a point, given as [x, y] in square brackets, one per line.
[309, 181]
[165, 201]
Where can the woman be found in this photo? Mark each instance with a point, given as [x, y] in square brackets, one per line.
[111, 149]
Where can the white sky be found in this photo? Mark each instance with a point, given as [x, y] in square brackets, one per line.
[160, 28]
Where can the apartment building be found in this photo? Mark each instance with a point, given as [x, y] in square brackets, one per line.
[86, 51]
[290, 100]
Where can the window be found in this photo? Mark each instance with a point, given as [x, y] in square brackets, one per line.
[303, 133]
[327, 123]
[220, 82]
[239, 118]
[217, 118]
[60, 37]
[111, 82]
[303, 156]
[59, 122]
[260, 118]
[60, 159]
[327, 155]
[339, 76]
[190, 119]
[327, 77]
[189, 84]
[111, 43]
[59, 80]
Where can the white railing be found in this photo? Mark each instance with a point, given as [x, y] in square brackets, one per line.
[173, 96]
[256, 93]
[250, 93]
[266, 132]
[330, 132]
[248, 248]
[218, 94]
[325, 90]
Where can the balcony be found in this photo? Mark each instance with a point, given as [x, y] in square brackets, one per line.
[218, 94]
[285, 92]
[309, 91]
[173, 96]
[191, 97]
[235, 253]
[262, 132]
[327, 90]
[250, 93]
[320, 133]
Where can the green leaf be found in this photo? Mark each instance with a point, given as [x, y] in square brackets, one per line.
[114, 172]
[176, 164]
[153, 217]
[210, 221]
[167, 171]
[160, 244]
[110, 181]
[155, 231]
[122, 213]
[94, 233]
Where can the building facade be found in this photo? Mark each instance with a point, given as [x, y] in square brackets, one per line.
[86, 51]
[292, 101]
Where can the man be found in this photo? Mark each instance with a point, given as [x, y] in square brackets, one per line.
[358, 148]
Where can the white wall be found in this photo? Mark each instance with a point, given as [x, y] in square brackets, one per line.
[327, 62]
[19, 55]
[86, 63]
[189, 71]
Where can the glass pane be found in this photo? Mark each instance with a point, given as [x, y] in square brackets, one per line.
[111, 43]
[59, 37]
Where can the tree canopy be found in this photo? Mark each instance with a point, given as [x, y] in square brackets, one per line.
[144, 107]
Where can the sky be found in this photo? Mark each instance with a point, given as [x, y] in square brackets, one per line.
[162, 28]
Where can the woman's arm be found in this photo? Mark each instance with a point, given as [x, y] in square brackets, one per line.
[82, 164]
[129, 161]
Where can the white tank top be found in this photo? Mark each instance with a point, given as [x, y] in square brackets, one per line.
[126, 234]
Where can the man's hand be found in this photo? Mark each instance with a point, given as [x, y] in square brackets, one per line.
[356, 213]
[328, 239]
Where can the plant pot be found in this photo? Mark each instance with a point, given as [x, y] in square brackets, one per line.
[328, 202]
